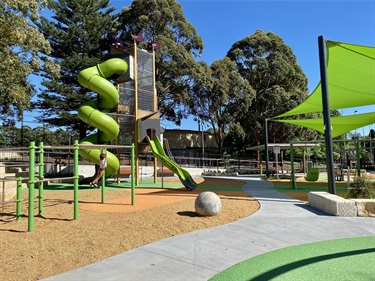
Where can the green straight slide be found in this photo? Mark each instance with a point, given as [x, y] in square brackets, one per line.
[159, 153]
[95, 79]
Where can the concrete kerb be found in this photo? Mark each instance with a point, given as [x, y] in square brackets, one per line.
[335, 205]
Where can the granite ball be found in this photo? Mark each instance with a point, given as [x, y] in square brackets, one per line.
[208, 204]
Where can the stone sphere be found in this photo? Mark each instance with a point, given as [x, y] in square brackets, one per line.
[208, 204]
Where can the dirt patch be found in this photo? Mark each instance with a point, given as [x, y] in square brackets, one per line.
[59, 243]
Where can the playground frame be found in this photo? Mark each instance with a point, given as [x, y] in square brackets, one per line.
[31, 180]
[304, 144]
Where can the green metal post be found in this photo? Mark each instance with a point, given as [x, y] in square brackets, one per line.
[292, 176]
[358, 157]
[326, 114]
[103, 182]
[266, 154]
[132, 182]
[75, 176]
[31, 186]
[41, 177]
[19, 199]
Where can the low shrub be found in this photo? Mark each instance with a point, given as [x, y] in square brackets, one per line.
[362, 188]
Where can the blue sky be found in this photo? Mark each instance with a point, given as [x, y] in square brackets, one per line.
[299, 23]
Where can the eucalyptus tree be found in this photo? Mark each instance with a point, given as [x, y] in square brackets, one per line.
[271, 68]
[20, 47]
[11, 136]
[79, 32]
[162, 22]
[220, 96]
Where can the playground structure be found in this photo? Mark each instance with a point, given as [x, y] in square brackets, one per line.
[39, 180]
[137, 104]
[312, 174]
[346, 161]
[136, 115]
[183, 175]
[137, 121]
[94, 78]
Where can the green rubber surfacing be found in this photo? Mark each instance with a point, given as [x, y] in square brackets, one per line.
[341, 259]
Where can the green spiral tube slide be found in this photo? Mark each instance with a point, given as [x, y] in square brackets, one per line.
[95, 79]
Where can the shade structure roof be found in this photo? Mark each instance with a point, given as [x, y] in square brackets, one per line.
[351, 83]
[340, 125]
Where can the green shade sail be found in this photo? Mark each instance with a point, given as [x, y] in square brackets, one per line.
[351, 79]
[351, 83]
[340, 125]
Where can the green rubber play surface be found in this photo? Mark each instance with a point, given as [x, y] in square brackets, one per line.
[143, 183]
[341, 259]
[149, 183]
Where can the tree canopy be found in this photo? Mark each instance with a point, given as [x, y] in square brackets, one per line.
[11, 136]
[79, 33]
[272, 70]
[20, 44]
[220, 97]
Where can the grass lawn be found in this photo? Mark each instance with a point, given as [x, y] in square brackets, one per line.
[303, 188]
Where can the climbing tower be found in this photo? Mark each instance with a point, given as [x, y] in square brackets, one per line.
[137, 110]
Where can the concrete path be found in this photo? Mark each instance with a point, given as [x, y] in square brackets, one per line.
[281, 222]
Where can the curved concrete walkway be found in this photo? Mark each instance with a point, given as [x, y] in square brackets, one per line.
[281, 222]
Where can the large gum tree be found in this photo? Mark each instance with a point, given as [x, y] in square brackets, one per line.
[220, 97]
[271, 68]
[20, 47]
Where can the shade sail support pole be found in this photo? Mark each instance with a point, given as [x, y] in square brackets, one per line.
[266, 147]
[326, 114]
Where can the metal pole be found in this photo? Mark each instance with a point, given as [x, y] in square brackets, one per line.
[358, 157]
[363, 137]
[132, 181]
[266, 146]
[372, 152]
[76, 177]
[326, 115]
[155, 168]
[136, 113]
[277, 165]
[103, 182]
[19, 199]
[3, 198]
[292, 176]
[202, 145]
[162, 175]
[22, 130]
[41, 176]
[31, 186]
